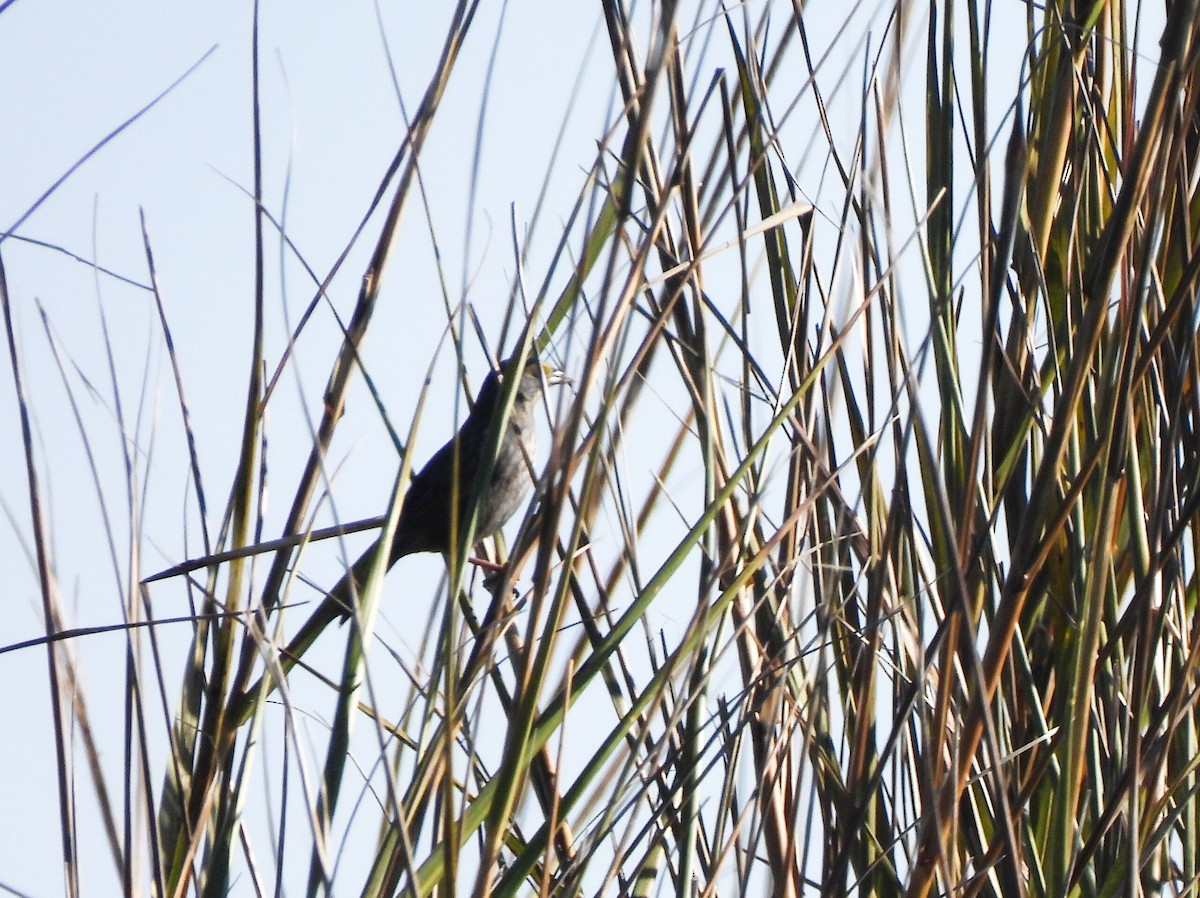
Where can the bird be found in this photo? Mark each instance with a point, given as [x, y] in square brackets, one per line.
[427, 520]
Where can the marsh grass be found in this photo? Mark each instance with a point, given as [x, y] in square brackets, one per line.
[863, 560]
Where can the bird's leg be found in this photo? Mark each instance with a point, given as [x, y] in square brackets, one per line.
[492, 567]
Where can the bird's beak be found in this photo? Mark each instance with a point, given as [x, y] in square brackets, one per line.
[553, 376]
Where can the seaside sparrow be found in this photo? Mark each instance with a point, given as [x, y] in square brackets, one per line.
[426, 522]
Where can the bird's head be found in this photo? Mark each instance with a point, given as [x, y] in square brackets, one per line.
[535, 375]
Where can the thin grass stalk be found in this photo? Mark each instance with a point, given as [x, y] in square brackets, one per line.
[353, 670]
[209, 759]
[49, 603]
